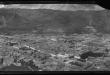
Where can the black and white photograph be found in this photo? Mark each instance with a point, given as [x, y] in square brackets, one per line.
[54, 37]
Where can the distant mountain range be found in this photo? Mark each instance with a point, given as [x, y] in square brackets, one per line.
[64, 7]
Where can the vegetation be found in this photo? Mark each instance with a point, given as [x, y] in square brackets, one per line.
[79, 52]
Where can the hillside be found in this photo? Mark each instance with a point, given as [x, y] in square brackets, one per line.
[43, 20]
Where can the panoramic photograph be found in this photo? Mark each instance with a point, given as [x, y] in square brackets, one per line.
[54, 37]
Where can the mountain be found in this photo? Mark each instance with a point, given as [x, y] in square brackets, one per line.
[63, 7]
[43, 21]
